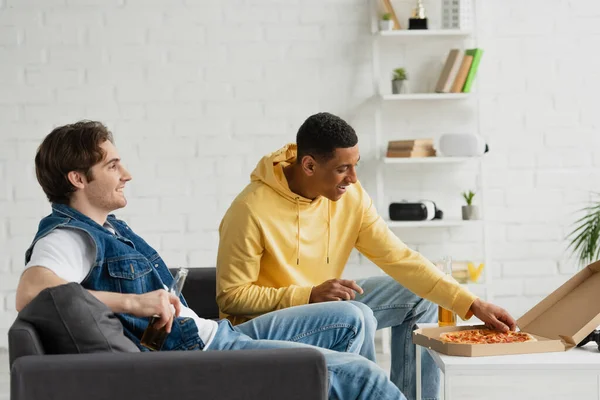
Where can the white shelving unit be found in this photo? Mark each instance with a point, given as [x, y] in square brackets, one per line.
[483, 289]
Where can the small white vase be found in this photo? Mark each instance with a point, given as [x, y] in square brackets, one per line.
[470, 213]
[399, 87]
[386, 25]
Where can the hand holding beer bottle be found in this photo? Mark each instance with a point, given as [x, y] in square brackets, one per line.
[153, 337]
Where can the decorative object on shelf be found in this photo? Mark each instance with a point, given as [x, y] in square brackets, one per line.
[462, 145]
[424, 210]
[469, 212]
[475, 272]
[464, 271]
[457, 14]
[410, 148]
[418, 19]
[399, 81]
[585, 238]
[387, 4]
[386, 23]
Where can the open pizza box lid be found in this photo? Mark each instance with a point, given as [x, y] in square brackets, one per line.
[558, 322]
[569, 313]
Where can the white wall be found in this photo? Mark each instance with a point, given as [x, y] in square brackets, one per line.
[197, 91]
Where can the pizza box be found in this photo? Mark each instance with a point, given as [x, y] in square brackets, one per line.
[558, 322]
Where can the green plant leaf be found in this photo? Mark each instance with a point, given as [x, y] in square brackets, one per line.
[585, 237]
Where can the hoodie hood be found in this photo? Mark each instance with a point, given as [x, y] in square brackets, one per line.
[270, 171]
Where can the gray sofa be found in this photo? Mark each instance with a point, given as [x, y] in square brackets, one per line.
[259, 374]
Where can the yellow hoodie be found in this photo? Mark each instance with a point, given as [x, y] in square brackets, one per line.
[276, 245]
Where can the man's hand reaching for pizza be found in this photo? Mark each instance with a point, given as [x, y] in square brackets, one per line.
[493, 316]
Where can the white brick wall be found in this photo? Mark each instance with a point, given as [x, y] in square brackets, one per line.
[197, 91]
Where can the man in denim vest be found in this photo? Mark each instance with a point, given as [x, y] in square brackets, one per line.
[81, 173]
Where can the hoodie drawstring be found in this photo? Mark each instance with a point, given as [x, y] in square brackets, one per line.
[298, 236]
[328, 227]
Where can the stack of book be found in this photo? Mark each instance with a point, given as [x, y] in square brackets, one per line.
[459, 71]
[411, 148]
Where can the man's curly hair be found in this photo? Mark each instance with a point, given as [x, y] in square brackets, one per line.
[321, 134]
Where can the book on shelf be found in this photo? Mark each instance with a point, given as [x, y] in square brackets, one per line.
[476, 54]
[461, 75]
[448, 75]
[410, 153]
[409, 144]
[410, 148]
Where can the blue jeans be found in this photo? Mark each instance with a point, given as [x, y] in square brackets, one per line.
[336, 329]
[395, 306]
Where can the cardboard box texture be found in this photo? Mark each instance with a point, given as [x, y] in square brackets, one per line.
[558, 322]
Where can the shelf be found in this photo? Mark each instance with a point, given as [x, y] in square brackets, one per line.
[427, 160]
[426, 96]
[438, 223]
[425, 32]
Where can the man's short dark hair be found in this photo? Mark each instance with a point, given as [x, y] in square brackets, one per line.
[321, 134]
[73, 147]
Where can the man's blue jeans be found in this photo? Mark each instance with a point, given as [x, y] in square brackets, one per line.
[395, 306]
[337, 328]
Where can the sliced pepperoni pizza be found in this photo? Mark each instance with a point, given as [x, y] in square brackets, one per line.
[485, 336]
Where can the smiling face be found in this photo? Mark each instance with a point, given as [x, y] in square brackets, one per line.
[104, 191]
[331, 178]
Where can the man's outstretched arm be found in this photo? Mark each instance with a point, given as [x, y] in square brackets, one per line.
[419, 275]
[35, 279]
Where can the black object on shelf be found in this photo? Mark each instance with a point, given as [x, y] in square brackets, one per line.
[417, 23]
[418, 20]
[418, 211]
[592, 337]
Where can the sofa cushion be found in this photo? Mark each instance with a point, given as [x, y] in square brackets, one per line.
[69, 320]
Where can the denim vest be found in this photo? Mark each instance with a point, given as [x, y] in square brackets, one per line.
[125, 263]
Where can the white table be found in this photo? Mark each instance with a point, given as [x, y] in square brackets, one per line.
[574, 374]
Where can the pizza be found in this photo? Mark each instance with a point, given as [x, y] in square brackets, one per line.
[485, 336]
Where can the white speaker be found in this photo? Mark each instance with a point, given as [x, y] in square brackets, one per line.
[462, 145]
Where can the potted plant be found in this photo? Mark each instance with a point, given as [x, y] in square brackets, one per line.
[585, 238]
[386, 23]
[470, 211]
[398, 81]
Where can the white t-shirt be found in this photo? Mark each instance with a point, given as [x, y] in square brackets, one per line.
[71, 254]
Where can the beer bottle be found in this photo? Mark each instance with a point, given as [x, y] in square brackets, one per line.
[446, 317]
[154, 338]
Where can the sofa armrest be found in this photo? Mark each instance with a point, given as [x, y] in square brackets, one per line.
[246, 374]
[23, 340]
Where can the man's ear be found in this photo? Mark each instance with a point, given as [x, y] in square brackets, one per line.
[77, 179]
[308, 165]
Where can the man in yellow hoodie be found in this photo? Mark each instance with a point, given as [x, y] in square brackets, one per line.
[287, 237]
